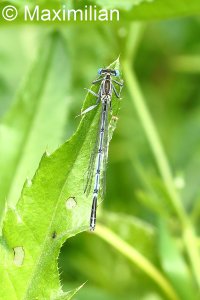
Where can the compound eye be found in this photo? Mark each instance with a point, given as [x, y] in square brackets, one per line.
[117, 73]
[100, 71]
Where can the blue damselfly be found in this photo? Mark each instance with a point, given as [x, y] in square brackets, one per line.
[98, 159]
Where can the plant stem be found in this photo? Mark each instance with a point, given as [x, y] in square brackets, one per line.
[153, 138]
[137, 97]
[137, 258]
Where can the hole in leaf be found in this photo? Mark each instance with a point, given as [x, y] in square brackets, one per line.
[54, 235]
[70, 203]
[18, 256]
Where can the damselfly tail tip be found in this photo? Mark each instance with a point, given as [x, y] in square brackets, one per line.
[93, 214]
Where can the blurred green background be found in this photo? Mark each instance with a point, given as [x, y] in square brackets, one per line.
[167, 64]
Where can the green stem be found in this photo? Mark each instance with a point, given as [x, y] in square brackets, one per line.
[137, 258]
[133, 43]
[189, 236]
[153, 138]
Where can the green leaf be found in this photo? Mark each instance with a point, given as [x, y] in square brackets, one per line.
[152, 203]
[44, 217]
[124, 5]
[174, 265]
[68, 295]
[36, 121]
[154, 196]
[163, 9]
[126, 276]
[128, 230]
[134, 231]
[14, 61]
[92, 292]
[152, 9]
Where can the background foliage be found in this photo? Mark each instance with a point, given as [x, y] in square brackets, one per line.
[146, 245]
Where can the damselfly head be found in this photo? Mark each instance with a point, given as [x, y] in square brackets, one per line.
[117, 73]
[108, 71]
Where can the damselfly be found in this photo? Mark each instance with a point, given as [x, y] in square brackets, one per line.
[99, 156]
